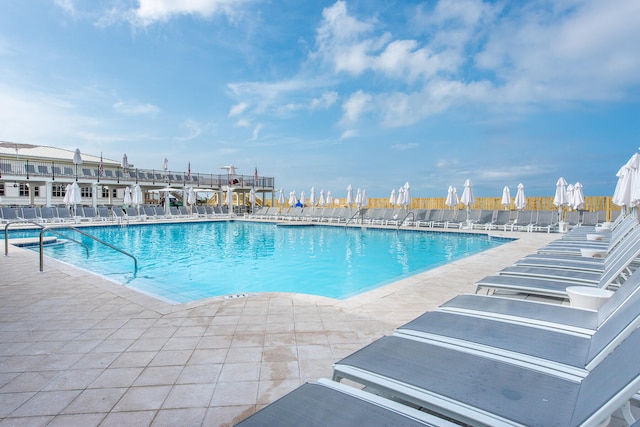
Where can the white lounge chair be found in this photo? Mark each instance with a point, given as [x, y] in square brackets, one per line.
[475, 389]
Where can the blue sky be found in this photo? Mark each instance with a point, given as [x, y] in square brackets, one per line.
[370, 93]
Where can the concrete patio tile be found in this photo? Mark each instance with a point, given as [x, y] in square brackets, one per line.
[249, 371]
[130, 418]
[84, 420]
[142, 398]
[208, 356]
[279, 370]
[158, 375]
[26, 421]
[117, 377]
[235, 393]
[180, 417]
[189, 396]
[134, 359]
[196, 374]
[171, 357]
[46, 403]
[269, 391]
[98, 400]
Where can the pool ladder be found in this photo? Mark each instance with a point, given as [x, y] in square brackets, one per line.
[410, 213]
[359, 212]
[52, 229]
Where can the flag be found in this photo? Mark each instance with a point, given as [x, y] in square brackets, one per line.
[255, 174]
[101, 170]
[189, 171]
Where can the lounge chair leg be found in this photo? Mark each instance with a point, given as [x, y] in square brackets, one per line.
[626, 413]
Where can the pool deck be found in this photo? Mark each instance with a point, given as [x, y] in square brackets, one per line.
[78, 350]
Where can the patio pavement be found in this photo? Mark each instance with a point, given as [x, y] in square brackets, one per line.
[78, 350]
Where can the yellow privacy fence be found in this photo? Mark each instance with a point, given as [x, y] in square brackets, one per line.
[591, 203]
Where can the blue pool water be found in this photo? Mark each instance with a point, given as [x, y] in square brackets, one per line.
[190, 261]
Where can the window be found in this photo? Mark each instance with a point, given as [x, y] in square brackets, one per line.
[57, 190]
[24, 190]
[105, 193]
[86, 192]
[114, 193]
[2, 189]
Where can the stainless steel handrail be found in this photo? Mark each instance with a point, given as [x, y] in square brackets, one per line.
[6, 235]
[358, 212]
[135, 260]
[405, 217]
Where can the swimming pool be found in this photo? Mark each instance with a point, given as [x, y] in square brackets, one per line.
[184, 262]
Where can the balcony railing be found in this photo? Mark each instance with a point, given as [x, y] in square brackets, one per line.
[33, 170]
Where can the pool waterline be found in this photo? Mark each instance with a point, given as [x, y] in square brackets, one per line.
[182, 262]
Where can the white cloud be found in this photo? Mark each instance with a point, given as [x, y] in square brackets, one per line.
[256, 132]
[243, 123]
[194, 129]
[151, 11]
[582, 51]
[349, 133]
[405, 146]
[355, 106]
[325, 101]
[67, 6]
[134, 108]
[238, 109]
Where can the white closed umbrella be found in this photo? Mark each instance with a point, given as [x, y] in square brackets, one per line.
[125, 162]
[329, 198]
[127, 197]
[349, 195]
[467, 194]
[571, 191]
[302, 198]
[520, 201]
[365, 199]
[312, 197]
[506, 198]
[358, 199]
[406, 200]
[452, 197]
[392, 197]
[77, 160]
[322, 200]
[292, 199]
[67, 195]
[281, 199]
[624, 194]
[136, 196]
[400, 197]
[561, 198]
[578, 196]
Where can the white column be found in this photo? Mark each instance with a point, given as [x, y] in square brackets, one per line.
[49, 193]
[94, 194]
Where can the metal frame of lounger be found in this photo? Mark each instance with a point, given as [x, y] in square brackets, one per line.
[329, 403]
[475, 389]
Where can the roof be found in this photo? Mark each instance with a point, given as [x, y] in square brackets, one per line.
[47, 153]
